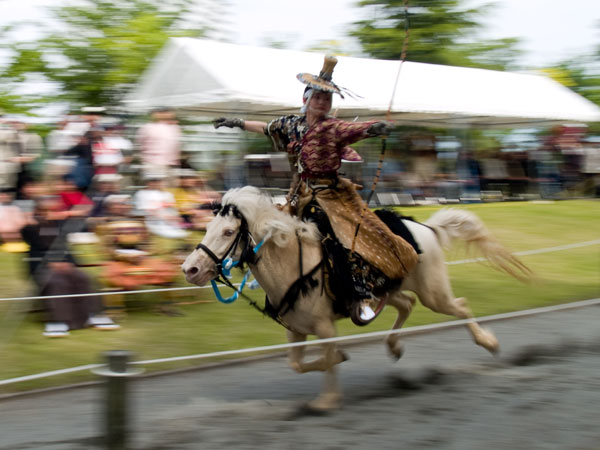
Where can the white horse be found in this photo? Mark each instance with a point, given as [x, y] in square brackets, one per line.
[291, 249]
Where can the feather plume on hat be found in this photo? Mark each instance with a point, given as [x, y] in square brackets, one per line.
[322, 82]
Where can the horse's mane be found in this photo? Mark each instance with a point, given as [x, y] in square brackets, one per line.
[264, 217]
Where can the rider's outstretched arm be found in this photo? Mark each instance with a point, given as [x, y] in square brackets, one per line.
[247, 125]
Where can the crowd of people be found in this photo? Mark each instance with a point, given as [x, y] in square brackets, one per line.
[76, 190]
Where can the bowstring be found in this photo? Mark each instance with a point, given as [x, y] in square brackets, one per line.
[388, 116]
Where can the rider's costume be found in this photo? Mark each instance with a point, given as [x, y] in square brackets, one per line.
[316, 153]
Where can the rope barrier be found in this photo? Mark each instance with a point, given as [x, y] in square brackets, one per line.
[149, 291]
[363, 336]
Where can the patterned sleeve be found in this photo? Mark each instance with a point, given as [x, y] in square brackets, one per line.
[278, 130]
[350, 132]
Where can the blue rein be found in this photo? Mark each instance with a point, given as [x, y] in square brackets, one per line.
[226, 267]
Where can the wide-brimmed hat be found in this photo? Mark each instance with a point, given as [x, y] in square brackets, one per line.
[322, 82]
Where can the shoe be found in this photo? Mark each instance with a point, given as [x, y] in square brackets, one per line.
[56, 329]
[102, 323]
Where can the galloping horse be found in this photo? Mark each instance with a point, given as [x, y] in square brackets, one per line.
[291, 250]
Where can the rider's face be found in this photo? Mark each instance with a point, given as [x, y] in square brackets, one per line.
[319, 104]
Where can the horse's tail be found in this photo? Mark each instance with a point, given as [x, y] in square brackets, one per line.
[458, 224]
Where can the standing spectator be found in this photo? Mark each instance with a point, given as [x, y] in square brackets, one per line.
[29, 148]
[9, 154]
[159, 143]
[107, 154]
[83, 170]
[60, 139]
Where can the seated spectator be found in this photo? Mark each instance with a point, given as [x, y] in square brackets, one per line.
[12, 220]
[131, 264]
[54, 272]
[76, 208]
[157, 206]
[192, 197]
[105, 185]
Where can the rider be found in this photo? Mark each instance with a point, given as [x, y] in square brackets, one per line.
[361, 246]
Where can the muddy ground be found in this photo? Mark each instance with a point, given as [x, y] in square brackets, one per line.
[541, 392]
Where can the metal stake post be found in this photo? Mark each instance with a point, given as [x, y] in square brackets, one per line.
[116, 408]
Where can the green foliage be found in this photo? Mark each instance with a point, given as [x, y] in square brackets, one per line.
[581, 74]
[440, 32]
[101, 48]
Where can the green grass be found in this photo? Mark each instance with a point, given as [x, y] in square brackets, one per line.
[208, 326]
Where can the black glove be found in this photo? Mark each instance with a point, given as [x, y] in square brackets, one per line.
[380, 129]
[229, 123]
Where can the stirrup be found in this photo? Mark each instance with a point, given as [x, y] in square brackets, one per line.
[366, 311]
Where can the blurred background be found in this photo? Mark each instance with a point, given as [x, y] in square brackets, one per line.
[64, 63]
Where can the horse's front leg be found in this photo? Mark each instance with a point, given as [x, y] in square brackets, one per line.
[296, 354]
[330, 396]
[330, 356]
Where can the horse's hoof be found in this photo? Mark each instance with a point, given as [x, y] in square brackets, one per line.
[488, 341]
[296, 367]
[324, 404]
[396, 350]
[343, 356]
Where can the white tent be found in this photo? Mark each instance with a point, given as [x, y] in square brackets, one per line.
[209, 78]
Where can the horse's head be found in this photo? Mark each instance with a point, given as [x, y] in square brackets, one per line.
[226, 237]
[246, 218]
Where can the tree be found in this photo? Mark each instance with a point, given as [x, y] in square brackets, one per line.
[441, 32]
[101, 47]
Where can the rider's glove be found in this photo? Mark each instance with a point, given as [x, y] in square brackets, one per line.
[229, 123]
[380, 129]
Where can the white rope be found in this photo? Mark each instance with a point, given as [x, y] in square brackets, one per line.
[533, 252]
[141, 291]
[270, 348]
[149, 291]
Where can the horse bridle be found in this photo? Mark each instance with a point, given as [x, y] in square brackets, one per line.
[247, 253]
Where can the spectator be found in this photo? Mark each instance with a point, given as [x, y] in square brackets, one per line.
[131, 264]
[107, 156]
[104, 185]
[191, 198]
[53, 270]
[157, 206]
[12, 220]
[159, 143]
[29, 147]
[76, 208]
[113, 138]
[82, 154]
[9, 154]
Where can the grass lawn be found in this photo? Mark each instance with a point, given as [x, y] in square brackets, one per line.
[208, 326]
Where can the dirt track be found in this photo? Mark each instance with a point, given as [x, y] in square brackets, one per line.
[541, 392]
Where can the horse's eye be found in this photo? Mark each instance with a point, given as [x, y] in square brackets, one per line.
[228, 233]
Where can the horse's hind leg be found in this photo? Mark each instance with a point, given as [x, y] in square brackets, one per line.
[441, 299]
[404, 304]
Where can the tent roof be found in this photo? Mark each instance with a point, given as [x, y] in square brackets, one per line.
[209, 78]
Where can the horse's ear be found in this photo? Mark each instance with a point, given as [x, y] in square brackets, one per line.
[216, 207]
